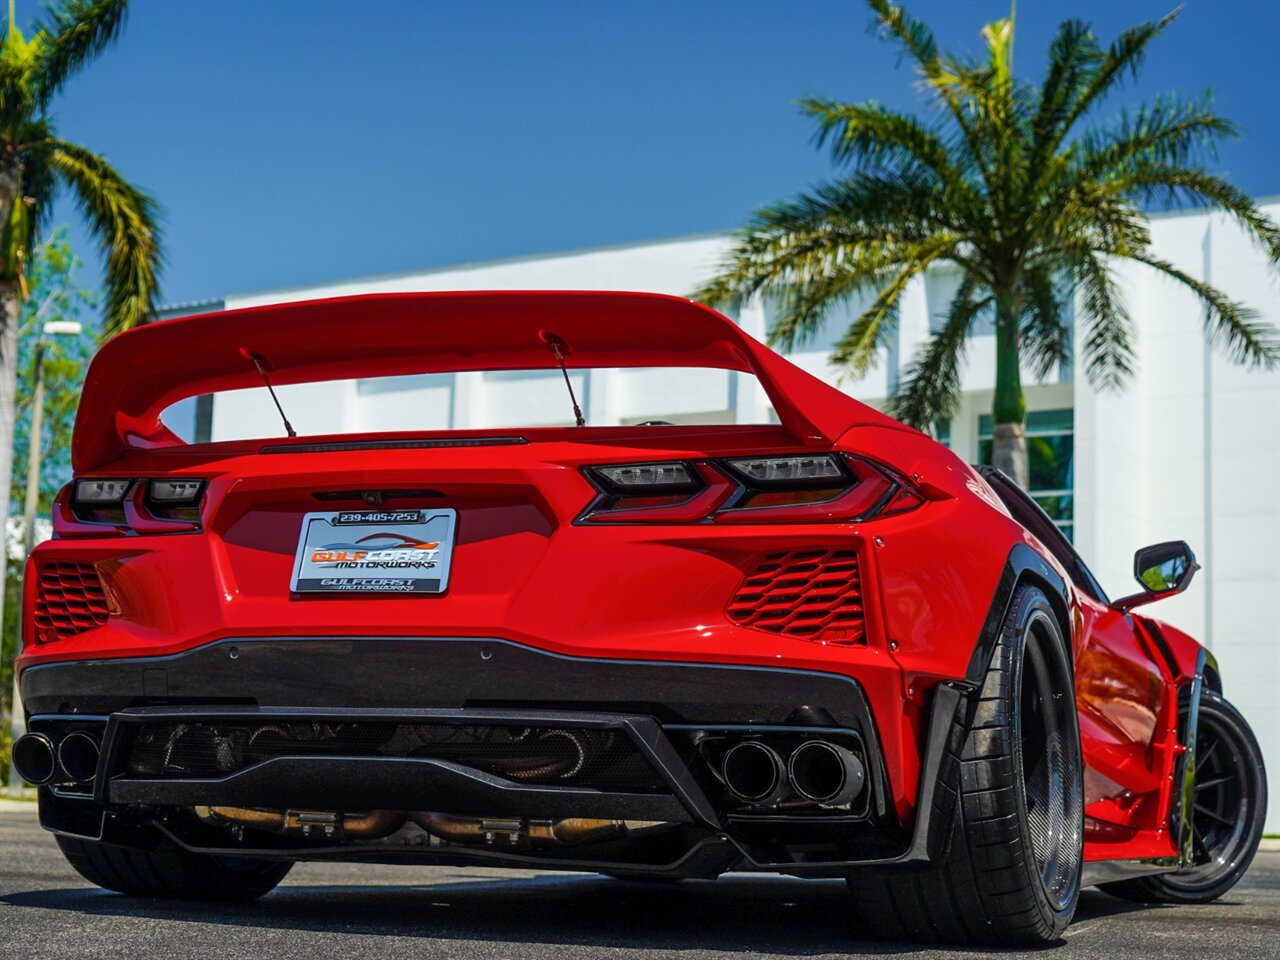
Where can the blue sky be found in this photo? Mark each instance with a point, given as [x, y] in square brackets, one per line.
[299, 142]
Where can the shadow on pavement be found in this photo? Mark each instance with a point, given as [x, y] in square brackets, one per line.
[734, 914]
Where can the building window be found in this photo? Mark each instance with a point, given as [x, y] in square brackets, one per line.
[942, 432]
[1050, 449]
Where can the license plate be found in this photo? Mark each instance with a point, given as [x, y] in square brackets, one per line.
[378, 551]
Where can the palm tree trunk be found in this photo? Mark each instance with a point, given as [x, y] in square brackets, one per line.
[10, 306]
[1009, 408]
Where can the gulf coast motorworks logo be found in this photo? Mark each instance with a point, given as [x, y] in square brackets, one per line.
[377, 551]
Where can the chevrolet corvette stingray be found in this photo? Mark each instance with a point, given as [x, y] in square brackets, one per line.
[822, 646]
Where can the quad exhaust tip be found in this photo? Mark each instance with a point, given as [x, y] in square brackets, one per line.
[34, 758]
[825, 773]
[754, 772]
[78, 756]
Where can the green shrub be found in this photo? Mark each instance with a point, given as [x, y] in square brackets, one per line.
[6, 748]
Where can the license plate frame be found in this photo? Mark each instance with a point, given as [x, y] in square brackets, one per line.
[401, 552]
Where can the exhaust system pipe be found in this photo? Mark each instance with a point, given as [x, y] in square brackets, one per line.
[368, 826]
[826, 773]
[34, 758]
[382, 823]
[566, 832]
[78, 756]
[754, 772]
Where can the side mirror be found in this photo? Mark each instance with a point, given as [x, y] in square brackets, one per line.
[1162, 570]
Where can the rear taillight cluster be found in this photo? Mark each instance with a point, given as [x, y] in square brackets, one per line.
[800, 488]
[123, 505]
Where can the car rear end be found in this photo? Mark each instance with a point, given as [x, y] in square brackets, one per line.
[653, 650]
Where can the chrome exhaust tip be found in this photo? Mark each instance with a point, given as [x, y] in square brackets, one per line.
[78, 756]
[825, 773]
[34, 758]
[754, 772]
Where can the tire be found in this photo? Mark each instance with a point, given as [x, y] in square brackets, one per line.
[1228, 816]
[1013, 790]
[168, 872]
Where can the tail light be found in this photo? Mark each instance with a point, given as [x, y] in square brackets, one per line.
[121, 506]
[808, 488]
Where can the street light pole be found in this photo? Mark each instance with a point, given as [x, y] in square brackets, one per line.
[35, 451]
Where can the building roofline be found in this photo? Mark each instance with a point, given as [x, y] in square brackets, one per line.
[218, 303]
[168, 311]
[481, 264]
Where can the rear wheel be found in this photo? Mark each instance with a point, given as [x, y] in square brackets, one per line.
[1010, 873]
[167, 871]
[1227, 816]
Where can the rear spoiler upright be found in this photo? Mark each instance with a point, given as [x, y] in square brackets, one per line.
[136, 376]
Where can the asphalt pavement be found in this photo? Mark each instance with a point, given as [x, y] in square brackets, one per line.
[327, 910]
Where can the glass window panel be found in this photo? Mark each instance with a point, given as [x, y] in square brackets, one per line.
[1050, 451]
[1058, 507]
[1050, 461]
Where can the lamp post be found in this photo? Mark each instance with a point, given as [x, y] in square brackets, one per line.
[35, 448]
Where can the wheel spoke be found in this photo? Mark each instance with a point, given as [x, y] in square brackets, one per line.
[1214, 815]
[1202, 758]
[1215, 782]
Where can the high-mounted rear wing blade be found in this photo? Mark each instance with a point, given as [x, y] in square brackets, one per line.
[139, 374]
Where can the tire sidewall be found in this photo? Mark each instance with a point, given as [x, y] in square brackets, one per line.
[1032, 610]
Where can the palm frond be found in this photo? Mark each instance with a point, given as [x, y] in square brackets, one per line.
[916, 39]
[1184, 186]
[849, 224]
[123, 220]
[1074, 55]
[1123, 58]
[1046, 339]
[870, 135]
[930, 389]
[1169, 132]
[1108, 331]
[856, 350]
[73, 34]
[1232, 326]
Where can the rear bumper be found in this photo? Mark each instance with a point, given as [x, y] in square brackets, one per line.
[659, 708]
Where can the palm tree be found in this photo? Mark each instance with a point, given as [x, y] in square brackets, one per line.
[1000, 181]
[34, 164]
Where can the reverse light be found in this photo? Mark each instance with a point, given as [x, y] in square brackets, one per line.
[176, 492]
[101, 493]
[788, 471]
[648, 477]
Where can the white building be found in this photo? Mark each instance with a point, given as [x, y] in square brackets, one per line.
[1191, 450]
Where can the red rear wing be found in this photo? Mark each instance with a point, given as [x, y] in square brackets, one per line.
[139, 374]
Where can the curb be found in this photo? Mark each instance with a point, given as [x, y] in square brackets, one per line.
[1269, 846]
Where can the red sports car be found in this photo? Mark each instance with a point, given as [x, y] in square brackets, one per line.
[823, 647]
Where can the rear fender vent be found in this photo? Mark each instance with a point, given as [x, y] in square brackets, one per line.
[70, 599]
[811, 594]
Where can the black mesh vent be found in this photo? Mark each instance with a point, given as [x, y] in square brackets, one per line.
[603, 759]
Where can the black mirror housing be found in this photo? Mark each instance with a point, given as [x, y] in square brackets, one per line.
[1162, 570]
